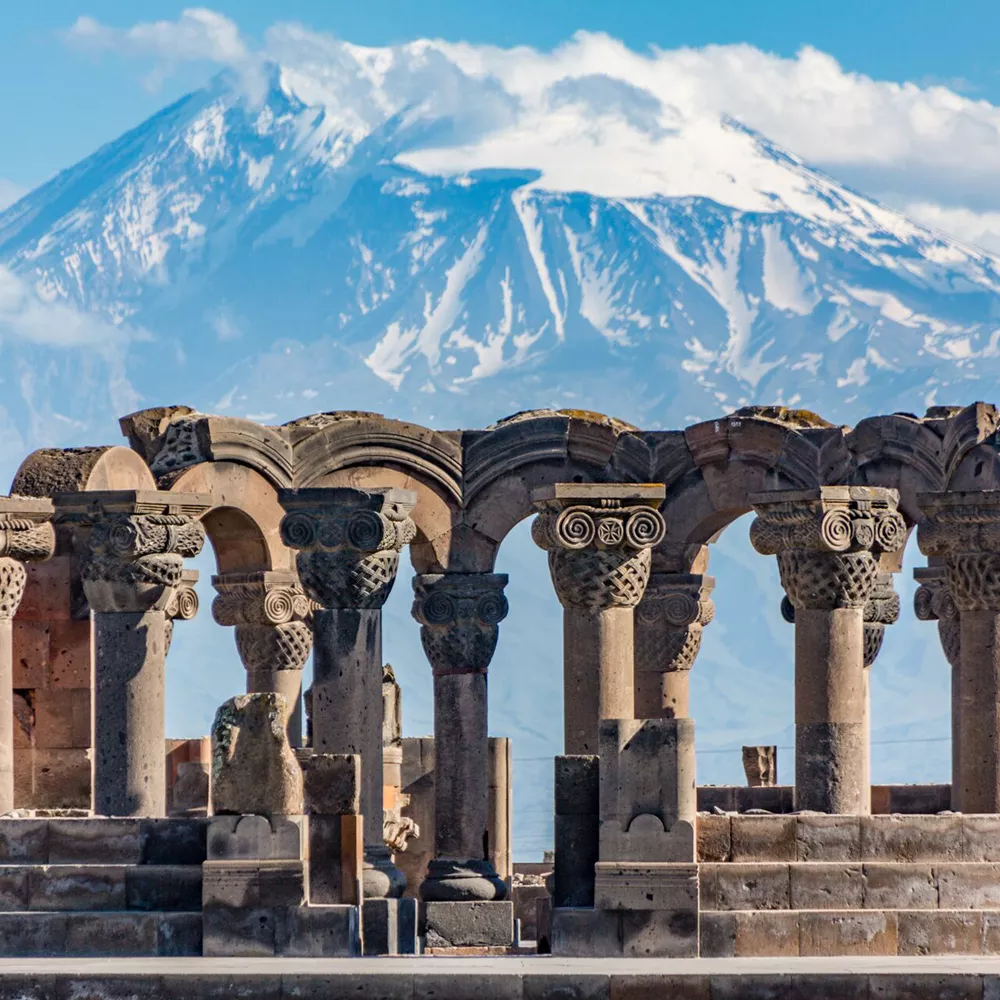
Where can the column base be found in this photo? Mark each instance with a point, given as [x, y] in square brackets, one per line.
[452, 881]
[380, 878]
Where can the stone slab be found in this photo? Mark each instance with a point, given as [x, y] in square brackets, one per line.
[174, 841]
[389, 926]
[749, 887]
[900, 887]
[320, 932]
[467, 923]
[763, 838]
[253, 884]
[232, 838]
[939, 932]
[825, 886]
[638, 886]
[96, 841]
[828, 838]
[912, 838]
[72, 887]
[848, 933]
[714, 838]
[164, 887]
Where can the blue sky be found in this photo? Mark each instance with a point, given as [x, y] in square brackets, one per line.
[60, 103]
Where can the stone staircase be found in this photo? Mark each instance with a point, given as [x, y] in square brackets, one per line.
[87, 887]
[845, 885]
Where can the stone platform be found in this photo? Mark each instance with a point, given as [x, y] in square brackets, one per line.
[541, 978]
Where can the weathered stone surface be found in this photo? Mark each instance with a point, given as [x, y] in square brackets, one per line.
[164, 887]
[660, 934]
[174, 841]
[761, 766]
[94, 841]
[763, 838]
[252, 884]
[848, 933]
[940, 933]
[981, 838]
[465, 923]
[828, 838]
[912, 838]
[233, 838]
[319, 932]
[752, 887]
[332, 784]
[766, 933]
[900, 887]
[827, 886]
[714, 835]
[68, 887]
[253, 767]
[968, 886]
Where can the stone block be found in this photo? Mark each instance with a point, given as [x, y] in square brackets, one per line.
[232, 838]
[777, 799]
[178, 934]
[714, 835]
[319, 932]
[30, 661]
[254, 770]
[389, 926]
[332, 784]
[525, 899]
[94, 841]
[14, 888]
[253, 884]
[680, 986]
[239, 933]
[24, 719]
[24, 841]
[716, 934]
[763, 838]
[190, 792]
[911, 838]
[111, 934]
[638, 886]
[445, 925]
[62, 718]
[991, 934]
[900, 887]
[24, 934]
[69, 887]
[848, 933]
[47, 590]
[766, 933]
[164, 887]
[828, 838]
[939, 932]
[46, 778]
[174, 841]
[981, 838]
[577, 850]
[824, 886]
[70, 660]
[577, 785]
[752, 887]
[660, 934]
[540, 986]
[968, 886]
[922, 799]
[711, 797]
[582, 932]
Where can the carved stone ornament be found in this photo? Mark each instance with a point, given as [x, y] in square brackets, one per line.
[827, 541]
[459, 614]
[134, 544]
[270, 612]
[183, 604]
[933, 602]
[598, 537]
[881, 609]
[669, 621]
[964, 529]
[348, 541]
[25, 536]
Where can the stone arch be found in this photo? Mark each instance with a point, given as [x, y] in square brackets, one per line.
[506, 462]
[367, 450]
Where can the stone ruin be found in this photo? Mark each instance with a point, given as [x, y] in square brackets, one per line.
[326, 833]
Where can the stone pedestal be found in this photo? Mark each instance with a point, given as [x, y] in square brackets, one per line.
[460, 615]
[963, 531]
[598, 537]
[577, 829]
[348, 543]
[270, 612]
[467, 924]
[133, 545]
[25, 536]
[827, 541]
[668, 626]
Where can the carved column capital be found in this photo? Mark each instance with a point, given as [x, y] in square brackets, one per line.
[881, 609]
[26, 535]
[270, 613]
[933, 602]
[598, 537]
[827, 541]
[459, 615]
[183, 603]
[677, 606]
[348, 541]
[133, 543]
[963, 528]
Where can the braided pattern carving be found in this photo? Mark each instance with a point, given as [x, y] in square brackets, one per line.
[13, 577]
[882, 607]
[599, 578]
[874, 633]
[348, 550]
[821, 581]
[459, 614]
[974, 580]
[26, 540]
[669, 621]
[274, 647]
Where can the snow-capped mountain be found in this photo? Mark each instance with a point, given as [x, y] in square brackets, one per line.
[405, 231]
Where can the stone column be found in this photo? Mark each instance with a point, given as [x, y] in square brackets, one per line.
[348, 543]
[962, 529]
[598, 537]
[25, 536]
[932, 602]
[460, 614]
[827, 541]
[269, 611]
[133, 545]
[668, 624]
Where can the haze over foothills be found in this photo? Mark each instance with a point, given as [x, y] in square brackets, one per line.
[269, 219]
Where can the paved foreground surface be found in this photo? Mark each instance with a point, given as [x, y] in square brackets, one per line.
[532, 978]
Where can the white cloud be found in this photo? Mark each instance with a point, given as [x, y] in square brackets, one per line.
[978, 228]
[10, 192]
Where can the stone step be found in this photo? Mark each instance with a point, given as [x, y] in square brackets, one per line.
[816, 885]
[108, 933]
[99, 840]
[791, 933]
[100, 887]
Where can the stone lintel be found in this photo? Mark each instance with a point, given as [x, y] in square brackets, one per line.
[649, 494]
[264, 579]
[87, 504]
[367, 498]
[828, 494]
[932, 503]
[25, 509]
